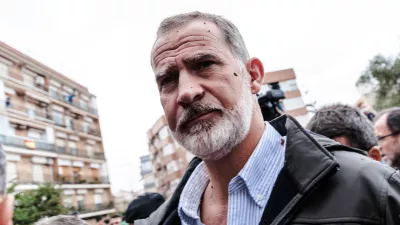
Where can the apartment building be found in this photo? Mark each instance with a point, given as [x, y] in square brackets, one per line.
[146, 170]
[293, 103]
[49, 128]
[169, 159]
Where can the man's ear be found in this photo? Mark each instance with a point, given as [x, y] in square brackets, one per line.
[256, 70]
[6, 210]
[375, 153]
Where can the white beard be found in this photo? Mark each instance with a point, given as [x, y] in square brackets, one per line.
[213, 140]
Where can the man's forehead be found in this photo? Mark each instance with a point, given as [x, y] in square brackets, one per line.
[196, 27]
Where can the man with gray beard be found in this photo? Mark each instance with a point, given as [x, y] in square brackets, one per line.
[248, 171]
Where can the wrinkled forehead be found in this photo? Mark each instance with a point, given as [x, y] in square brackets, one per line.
[190, 31]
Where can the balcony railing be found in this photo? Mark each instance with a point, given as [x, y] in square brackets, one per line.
[88, 208]
[65, 99]
[26, 143]
[22, 142]
[30, 178]
[93, 131]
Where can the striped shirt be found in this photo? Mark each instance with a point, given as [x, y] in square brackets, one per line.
[249, 191]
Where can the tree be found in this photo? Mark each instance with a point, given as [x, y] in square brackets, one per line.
[31, 206]
[385, 73]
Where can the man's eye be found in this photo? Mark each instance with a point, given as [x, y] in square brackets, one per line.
[204, 65]
[168, 80]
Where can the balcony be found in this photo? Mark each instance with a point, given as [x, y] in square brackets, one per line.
[83, 180]
[70, 101]
[88, 208]
[26, 143]
[30, 178]
[94, 131]
[80, 153]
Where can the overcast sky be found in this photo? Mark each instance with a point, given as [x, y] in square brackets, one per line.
[105, 45]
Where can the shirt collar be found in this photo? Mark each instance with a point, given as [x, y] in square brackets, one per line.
[192, 193]
[262, 168]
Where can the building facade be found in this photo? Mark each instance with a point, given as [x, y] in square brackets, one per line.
[49, 129]
[146, 170]
[293, 103]
[168, 158]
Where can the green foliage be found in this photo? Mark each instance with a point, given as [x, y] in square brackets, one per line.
[385, 71]
[30, 206]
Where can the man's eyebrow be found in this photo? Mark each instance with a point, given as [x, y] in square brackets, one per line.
[198, 58]
[164, 71]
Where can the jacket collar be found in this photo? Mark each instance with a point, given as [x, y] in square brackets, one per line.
[307, 165]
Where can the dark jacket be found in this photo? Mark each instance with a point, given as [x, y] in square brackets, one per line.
[322, 182]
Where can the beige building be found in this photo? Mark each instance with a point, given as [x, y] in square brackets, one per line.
[169, 159]
[49, 128]
[146, 170]
[293, 103]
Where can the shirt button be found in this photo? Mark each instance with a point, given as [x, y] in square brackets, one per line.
[260, 197]
[282, 141]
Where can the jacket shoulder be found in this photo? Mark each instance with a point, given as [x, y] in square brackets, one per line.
[363, 189]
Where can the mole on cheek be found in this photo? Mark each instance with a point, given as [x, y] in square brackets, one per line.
[235, 74]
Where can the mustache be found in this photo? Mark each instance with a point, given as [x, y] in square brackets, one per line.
[194, 110]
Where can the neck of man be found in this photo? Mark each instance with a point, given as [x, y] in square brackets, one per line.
[223, 170]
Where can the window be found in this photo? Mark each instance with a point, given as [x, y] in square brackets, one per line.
[289, 85]
[57, 117]
[28, 79]
[3, 70]
[168, 149]
[89, 149]
[53, 91]
[72, 147]
[37, 172]
[11, 171]
[60, 142]
[81, 201]
[35, 134]
[83, 104]
[163, 133]
[67, 200]
[86, 127]
[98, 201]
[293, 103]
[68, 122]
[105, 197]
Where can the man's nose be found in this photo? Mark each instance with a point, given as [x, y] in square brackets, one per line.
[190, 89]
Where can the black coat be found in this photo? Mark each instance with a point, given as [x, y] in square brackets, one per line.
[322, 182]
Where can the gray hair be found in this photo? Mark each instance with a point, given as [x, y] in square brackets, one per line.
[339, 120]
[393, 118]
[3, 171]
[231, 34]
[61, 220]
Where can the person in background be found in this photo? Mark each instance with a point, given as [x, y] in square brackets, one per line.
[348, 126]
[143, 206]
[6, 201]
[61, 220]
[115, 220]
[103, 220]
[247, 170]
[387, 128]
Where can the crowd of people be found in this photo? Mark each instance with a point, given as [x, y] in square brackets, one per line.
[342, 168]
